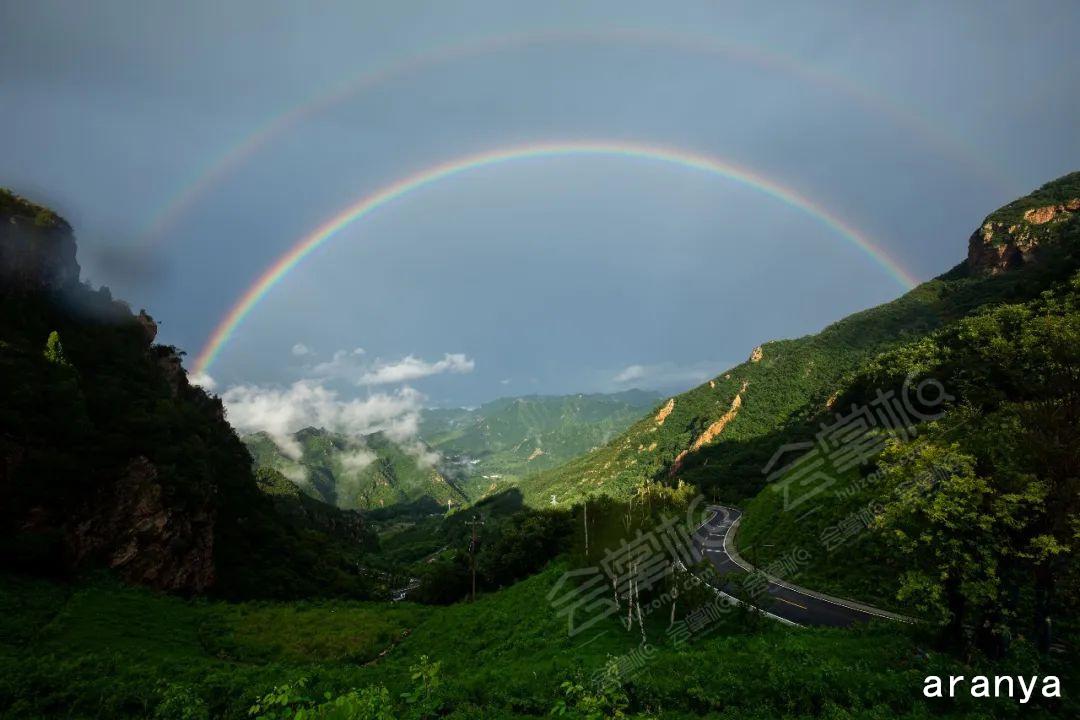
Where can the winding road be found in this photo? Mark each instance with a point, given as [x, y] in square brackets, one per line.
[787, 603]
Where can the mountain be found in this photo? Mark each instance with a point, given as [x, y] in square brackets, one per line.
[463, 455]
[372, 471]
[491, 447]
[994, 477]
[721, 435]
[109, 457]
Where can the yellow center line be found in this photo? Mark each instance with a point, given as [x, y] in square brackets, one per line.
[790, 603]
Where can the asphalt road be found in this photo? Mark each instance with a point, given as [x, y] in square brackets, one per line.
[787, 604]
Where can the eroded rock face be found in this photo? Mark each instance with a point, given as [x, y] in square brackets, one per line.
[712, 431]
[136, 530]
[661, 416]
[997, 247]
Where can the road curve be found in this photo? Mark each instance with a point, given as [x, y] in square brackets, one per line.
[787, 603]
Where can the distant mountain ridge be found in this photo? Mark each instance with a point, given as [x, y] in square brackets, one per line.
[462, 454]
[491, 447]
[370, 471]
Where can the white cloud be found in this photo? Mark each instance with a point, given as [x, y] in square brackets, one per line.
[504, 381]
[630, 374]
[425, 457]
[306, 403]
[413, 368]
[357, 460]
[300, 349]
[297, 473]
[203, 380]
[342, 364]
[666, 375]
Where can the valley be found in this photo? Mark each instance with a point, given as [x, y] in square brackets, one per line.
[461, 455]
[155, 563]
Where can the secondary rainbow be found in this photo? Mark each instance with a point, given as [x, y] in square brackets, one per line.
[223, 164]
[370, 203]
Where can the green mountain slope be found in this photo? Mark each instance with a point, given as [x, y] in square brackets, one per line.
[371, 471]
[721, 435]
[465, 454]
[491, 447]
[1010, 430]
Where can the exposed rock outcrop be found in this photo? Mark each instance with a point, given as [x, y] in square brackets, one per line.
[757, 354]
[661, 416]
[999, 245]
[145, 536]
[711, 432]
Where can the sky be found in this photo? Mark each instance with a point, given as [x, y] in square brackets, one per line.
[193, 144]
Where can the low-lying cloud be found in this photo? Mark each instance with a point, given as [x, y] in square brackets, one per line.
[280, 412]
[630, 374]
[353, 461]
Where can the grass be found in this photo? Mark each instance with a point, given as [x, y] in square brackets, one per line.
[103, 650]
[348, 632]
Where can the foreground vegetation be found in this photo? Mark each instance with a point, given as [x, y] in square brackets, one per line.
[103, 650]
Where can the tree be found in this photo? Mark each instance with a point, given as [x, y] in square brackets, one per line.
[999, 501]
[54, 350]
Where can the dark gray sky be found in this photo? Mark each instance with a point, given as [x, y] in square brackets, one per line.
[911, 121]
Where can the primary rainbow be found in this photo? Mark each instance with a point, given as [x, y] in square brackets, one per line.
[368, 204]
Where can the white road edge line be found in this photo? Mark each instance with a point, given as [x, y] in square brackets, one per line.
[792, 588]
[732, 600]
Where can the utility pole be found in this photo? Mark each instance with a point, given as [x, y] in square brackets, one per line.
[472, 553]
[586, 506]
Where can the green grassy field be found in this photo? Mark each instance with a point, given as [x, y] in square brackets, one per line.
[103, 650]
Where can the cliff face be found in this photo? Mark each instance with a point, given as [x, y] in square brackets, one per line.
[63, 475]
[1017, 234]
[110, 457]
[131, 526]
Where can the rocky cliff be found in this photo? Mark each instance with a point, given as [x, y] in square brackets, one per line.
[109, 457]
[1018, 233]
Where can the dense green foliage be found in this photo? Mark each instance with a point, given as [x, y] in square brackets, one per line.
[1056, 192]
[104, 651]
[974, 521]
